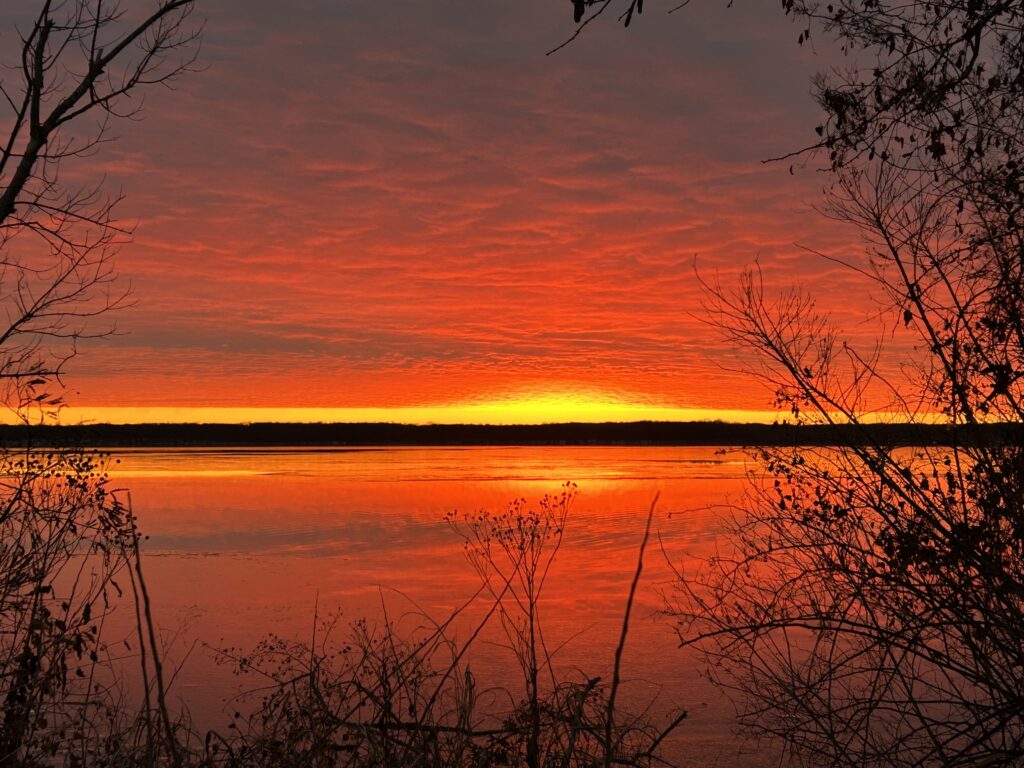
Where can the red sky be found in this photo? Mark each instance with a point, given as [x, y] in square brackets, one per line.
[407, 205]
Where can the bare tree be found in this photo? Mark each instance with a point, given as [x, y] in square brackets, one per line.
[64, 538]
[867, 606]
[82, 64]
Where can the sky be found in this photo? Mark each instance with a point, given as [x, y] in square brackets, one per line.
[407, 211]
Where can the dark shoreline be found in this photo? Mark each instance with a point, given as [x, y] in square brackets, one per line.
[611, 433]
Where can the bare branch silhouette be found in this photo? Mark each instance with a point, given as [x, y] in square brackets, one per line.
[79, 59]
[65, 538]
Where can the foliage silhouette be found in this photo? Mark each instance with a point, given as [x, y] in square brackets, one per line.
[867, 608]
[869, 611]
[383, 696]
[66, 541]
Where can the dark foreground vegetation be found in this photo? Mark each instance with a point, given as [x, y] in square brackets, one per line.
[634, 433]
[359, 695]
[866, 607]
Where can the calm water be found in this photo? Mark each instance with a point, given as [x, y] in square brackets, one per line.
[245, 542]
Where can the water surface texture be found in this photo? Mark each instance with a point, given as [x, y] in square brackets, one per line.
[243, 542]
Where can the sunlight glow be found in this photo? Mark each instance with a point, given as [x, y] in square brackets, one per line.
[534, 410]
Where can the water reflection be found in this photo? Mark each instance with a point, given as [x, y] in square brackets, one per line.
[244, 542]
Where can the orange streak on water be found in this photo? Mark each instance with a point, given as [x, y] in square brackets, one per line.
[245, 543]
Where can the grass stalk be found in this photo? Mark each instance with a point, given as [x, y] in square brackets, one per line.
[609, 750]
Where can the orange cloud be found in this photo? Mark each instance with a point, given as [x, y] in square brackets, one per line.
[390, 206]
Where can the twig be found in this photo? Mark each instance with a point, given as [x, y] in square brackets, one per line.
[161, 689]
[609, 722]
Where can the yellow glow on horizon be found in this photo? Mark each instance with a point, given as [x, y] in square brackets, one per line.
[530, 410]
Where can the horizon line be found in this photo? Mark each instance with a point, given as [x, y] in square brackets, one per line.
[482, 414]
